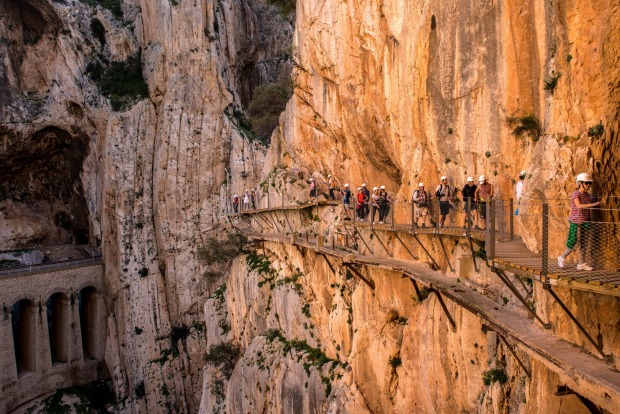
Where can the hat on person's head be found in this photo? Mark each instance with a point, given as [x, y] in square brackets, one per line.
[235, 196]
[363, 184]
[382, 187]
[523, 173]
[443, 177]
[312, 179]
[253, 189]
[470, 179]
[421, 185]
[375, 188]
[329, 176]
[359, 188]
[584, 178]
[247, 190]
[346, 185]
[482, 178]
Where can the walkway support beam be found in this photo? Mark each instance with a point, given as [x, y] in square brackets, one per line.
[504, 278]
[369, 282]
[598, 347]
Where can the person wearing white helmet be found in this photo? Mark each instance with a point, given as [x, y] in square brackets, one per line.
[365, 202]
[359, 202]
[384, 204]
[443, 194]
[519, 189]
[253, 198]
[374, 199]
[346, 202]
[312, 187]
[235, 203]
[246, 200]
[421, 199]
[579, 222]
[332, 187]
[469, 199]
[484, 194]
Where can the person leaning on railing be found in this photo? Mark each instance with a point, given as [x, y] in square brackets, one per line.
[579, 217]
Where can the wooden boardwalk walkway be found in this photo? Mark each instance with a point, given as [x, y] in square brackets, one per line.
[581, 371]
[512, 256]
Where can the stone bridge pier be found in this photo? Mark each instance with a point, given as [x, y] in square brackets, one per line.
[52, 332]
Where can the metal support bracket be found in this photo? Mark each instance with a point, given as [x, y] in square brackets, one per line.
[421, 296]
[565, 390]
[369, 282]
[373, 231]
[444, 307]
[473, 254]
[328, 263]
[504, 278]
[445, 253]
[436, 266]
[514, 354]
[599, 348]
[362, 239]
[405, 246]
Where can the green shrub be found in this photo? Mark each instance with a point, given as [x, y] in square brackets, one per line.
[597, 130]
[395, 362]
[223, 357]
[96, 27]
[286, 6]
[525, 125]
[221, 251]
[113, 5]
[552, 82]
[494, 375]
[268, 102]
[121, 82]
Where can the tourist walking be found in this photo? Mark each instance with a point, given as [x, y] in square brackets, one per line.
[235, 203]
[484, 194]
[520, 190]
[312, 190]
[366, 200]
[374, 199]
[469, 199]
[346, 201]
[421, 200]
[579, 221]
[253, 198]
[384, 205]
[332, 187]
[246, 200]
[443, 193]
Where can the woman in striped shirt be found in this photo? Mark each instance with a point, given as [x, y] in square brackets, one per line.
[579, 219]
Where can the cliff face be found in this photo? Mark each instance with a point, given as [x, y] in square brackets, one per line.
[395, 93]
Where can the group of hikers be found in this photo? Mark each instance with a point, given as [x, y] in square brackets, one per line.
[474, 196]
[249, 198]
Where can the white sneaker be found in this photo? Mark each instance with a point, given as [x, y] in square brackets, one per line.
[584, 266]
[380, 222]
[560, 261]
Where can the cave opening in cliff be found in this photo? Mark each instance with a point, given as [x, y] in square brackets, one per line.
[42, 200]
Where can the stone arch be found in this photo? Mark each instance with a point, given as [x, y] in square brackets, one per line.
[87, 305]
[24, 324]
[58, 317]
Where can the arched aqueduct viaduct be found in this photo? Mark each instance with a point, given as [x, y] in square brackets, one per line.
[52, 331]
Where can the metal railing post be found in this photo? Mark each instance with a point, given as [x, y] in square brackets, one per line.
[354, 211]
[392, 205]
[282, 200]
[372, 215]
[491, 227]
[512, 220]
[545, 243]
[468, 214]
[268, 201]
[438, 213]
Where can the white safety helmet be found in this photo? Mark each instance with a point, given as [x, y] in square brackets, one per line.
[363, 184]
[584, 178]
[346, 185]
[246, 190]
[312, 179]
[235, 196]
[375, 188]
[470, 179]
[482, 178]
[523, 173]
[329, 176]
[443, 177]
[359, 188]
[253, 189]
[421, 185]
[382, 187]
